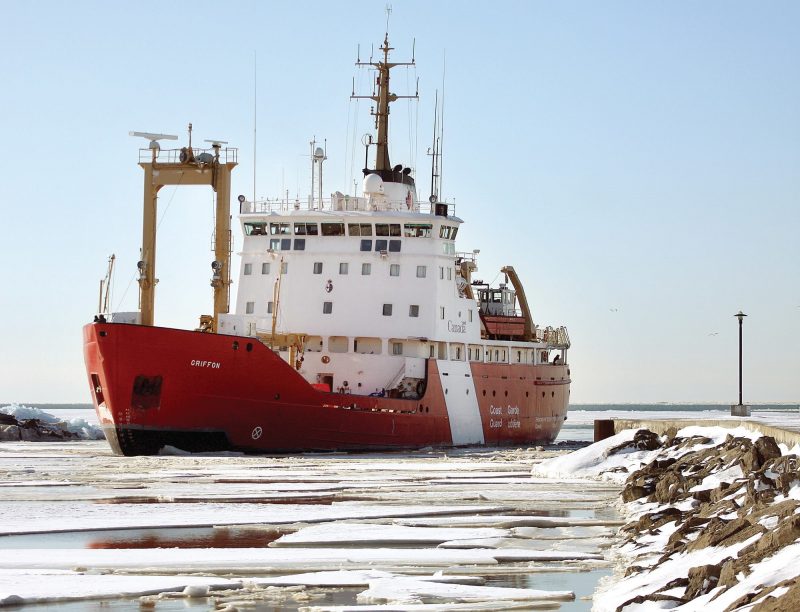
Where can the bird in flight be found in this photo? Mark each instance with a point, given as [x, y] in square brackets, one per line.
[714, 334]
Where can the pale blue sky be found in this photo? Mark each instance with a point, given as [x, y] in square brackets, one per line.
[638, 156]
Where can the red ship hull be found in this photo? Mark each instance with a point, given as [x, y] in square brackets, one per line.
[155, 386]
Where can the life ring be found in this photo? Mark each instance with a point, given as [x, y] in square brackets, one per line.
[326, 359]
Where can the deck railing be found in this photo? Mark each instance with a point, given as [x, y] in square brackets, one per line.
[337, 203]
[173, 156]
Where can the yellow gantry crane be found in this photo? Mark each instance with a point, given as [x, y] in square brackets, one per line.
[211, 167]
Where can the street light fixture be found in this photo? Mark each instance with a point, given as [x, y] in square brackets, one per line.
[739, 409]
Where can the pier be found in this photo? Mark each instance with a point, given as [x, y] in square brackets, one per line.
[784, 427]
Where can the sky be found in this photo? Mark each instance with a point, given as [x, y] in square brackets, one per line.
[638, 163]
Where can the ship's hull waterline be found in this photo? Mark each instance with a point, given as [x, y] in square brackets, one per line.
[156, 386]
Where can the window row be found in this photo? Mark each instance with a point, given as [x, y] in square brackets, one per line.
[344, 268]
[409, 230]
[265, 268]
[327, 308]
[366, 269]
[452, 351]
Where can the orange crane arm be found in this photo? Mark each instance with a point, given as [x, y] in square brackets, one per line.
[523, 301]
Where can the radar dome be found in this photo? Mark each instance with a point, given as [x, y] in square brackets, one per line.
[373, 184]
[319, 153]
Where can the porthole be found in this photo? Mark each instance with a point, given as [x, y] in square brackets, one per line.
[427, 408]
[420, 407]
[526, 394]
[484, 393]
[235, 345]
[506, 393]
[494, 393]
[249, 346]
[542, 393]
[277, 396]
[467, 391]
[445, 391]
[552, 393]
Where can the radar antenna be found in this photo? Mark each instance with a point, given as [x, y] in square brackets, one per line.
[153, 138]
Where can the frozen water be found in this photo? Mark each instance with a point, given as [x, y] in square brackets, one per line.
[363, 521]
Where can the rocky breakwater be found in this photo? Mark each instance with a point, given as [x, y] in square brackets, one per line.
[716, 523]
[25, 424]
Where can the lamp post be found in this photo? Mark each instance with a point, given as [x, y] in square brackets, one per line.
[739, 409]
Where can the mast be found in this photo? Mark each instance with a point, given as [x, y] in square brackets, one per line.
[383, 97]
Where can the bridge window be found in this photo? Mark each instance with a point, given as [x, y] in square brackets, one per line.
[274, 244]
[306, 229]
[343, 267]
[277, 229]
[248, 269]
[394, 270]
[299, 244]
[286, 244]
[380, 245]
[413, 310]
[444, 232]
[422, 271]
[265, 268]
[255, 229]
[360, 229]
[317, 267]
[366, 245]
[394, 246]
[387, 310]
[418, 230]
[366, 269]
[333, 229]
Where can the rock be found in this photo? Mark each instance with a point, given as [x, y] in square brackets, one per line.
[721, 532]
[767, 448]
[9, 433]
[640, 599]
[631, 493]
[788, 602]
[641, 439]
[702, 579]
[644, 439]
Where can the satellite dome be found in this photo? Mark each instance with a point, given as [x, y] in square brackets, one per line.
[373, 184]
[319, 153]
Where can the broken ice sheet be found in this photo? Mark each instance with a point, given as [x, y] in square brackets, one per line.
[29, 587]
[51, 517]
[409, 590]
[353, 578]
[380, 535]
[175, 560]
